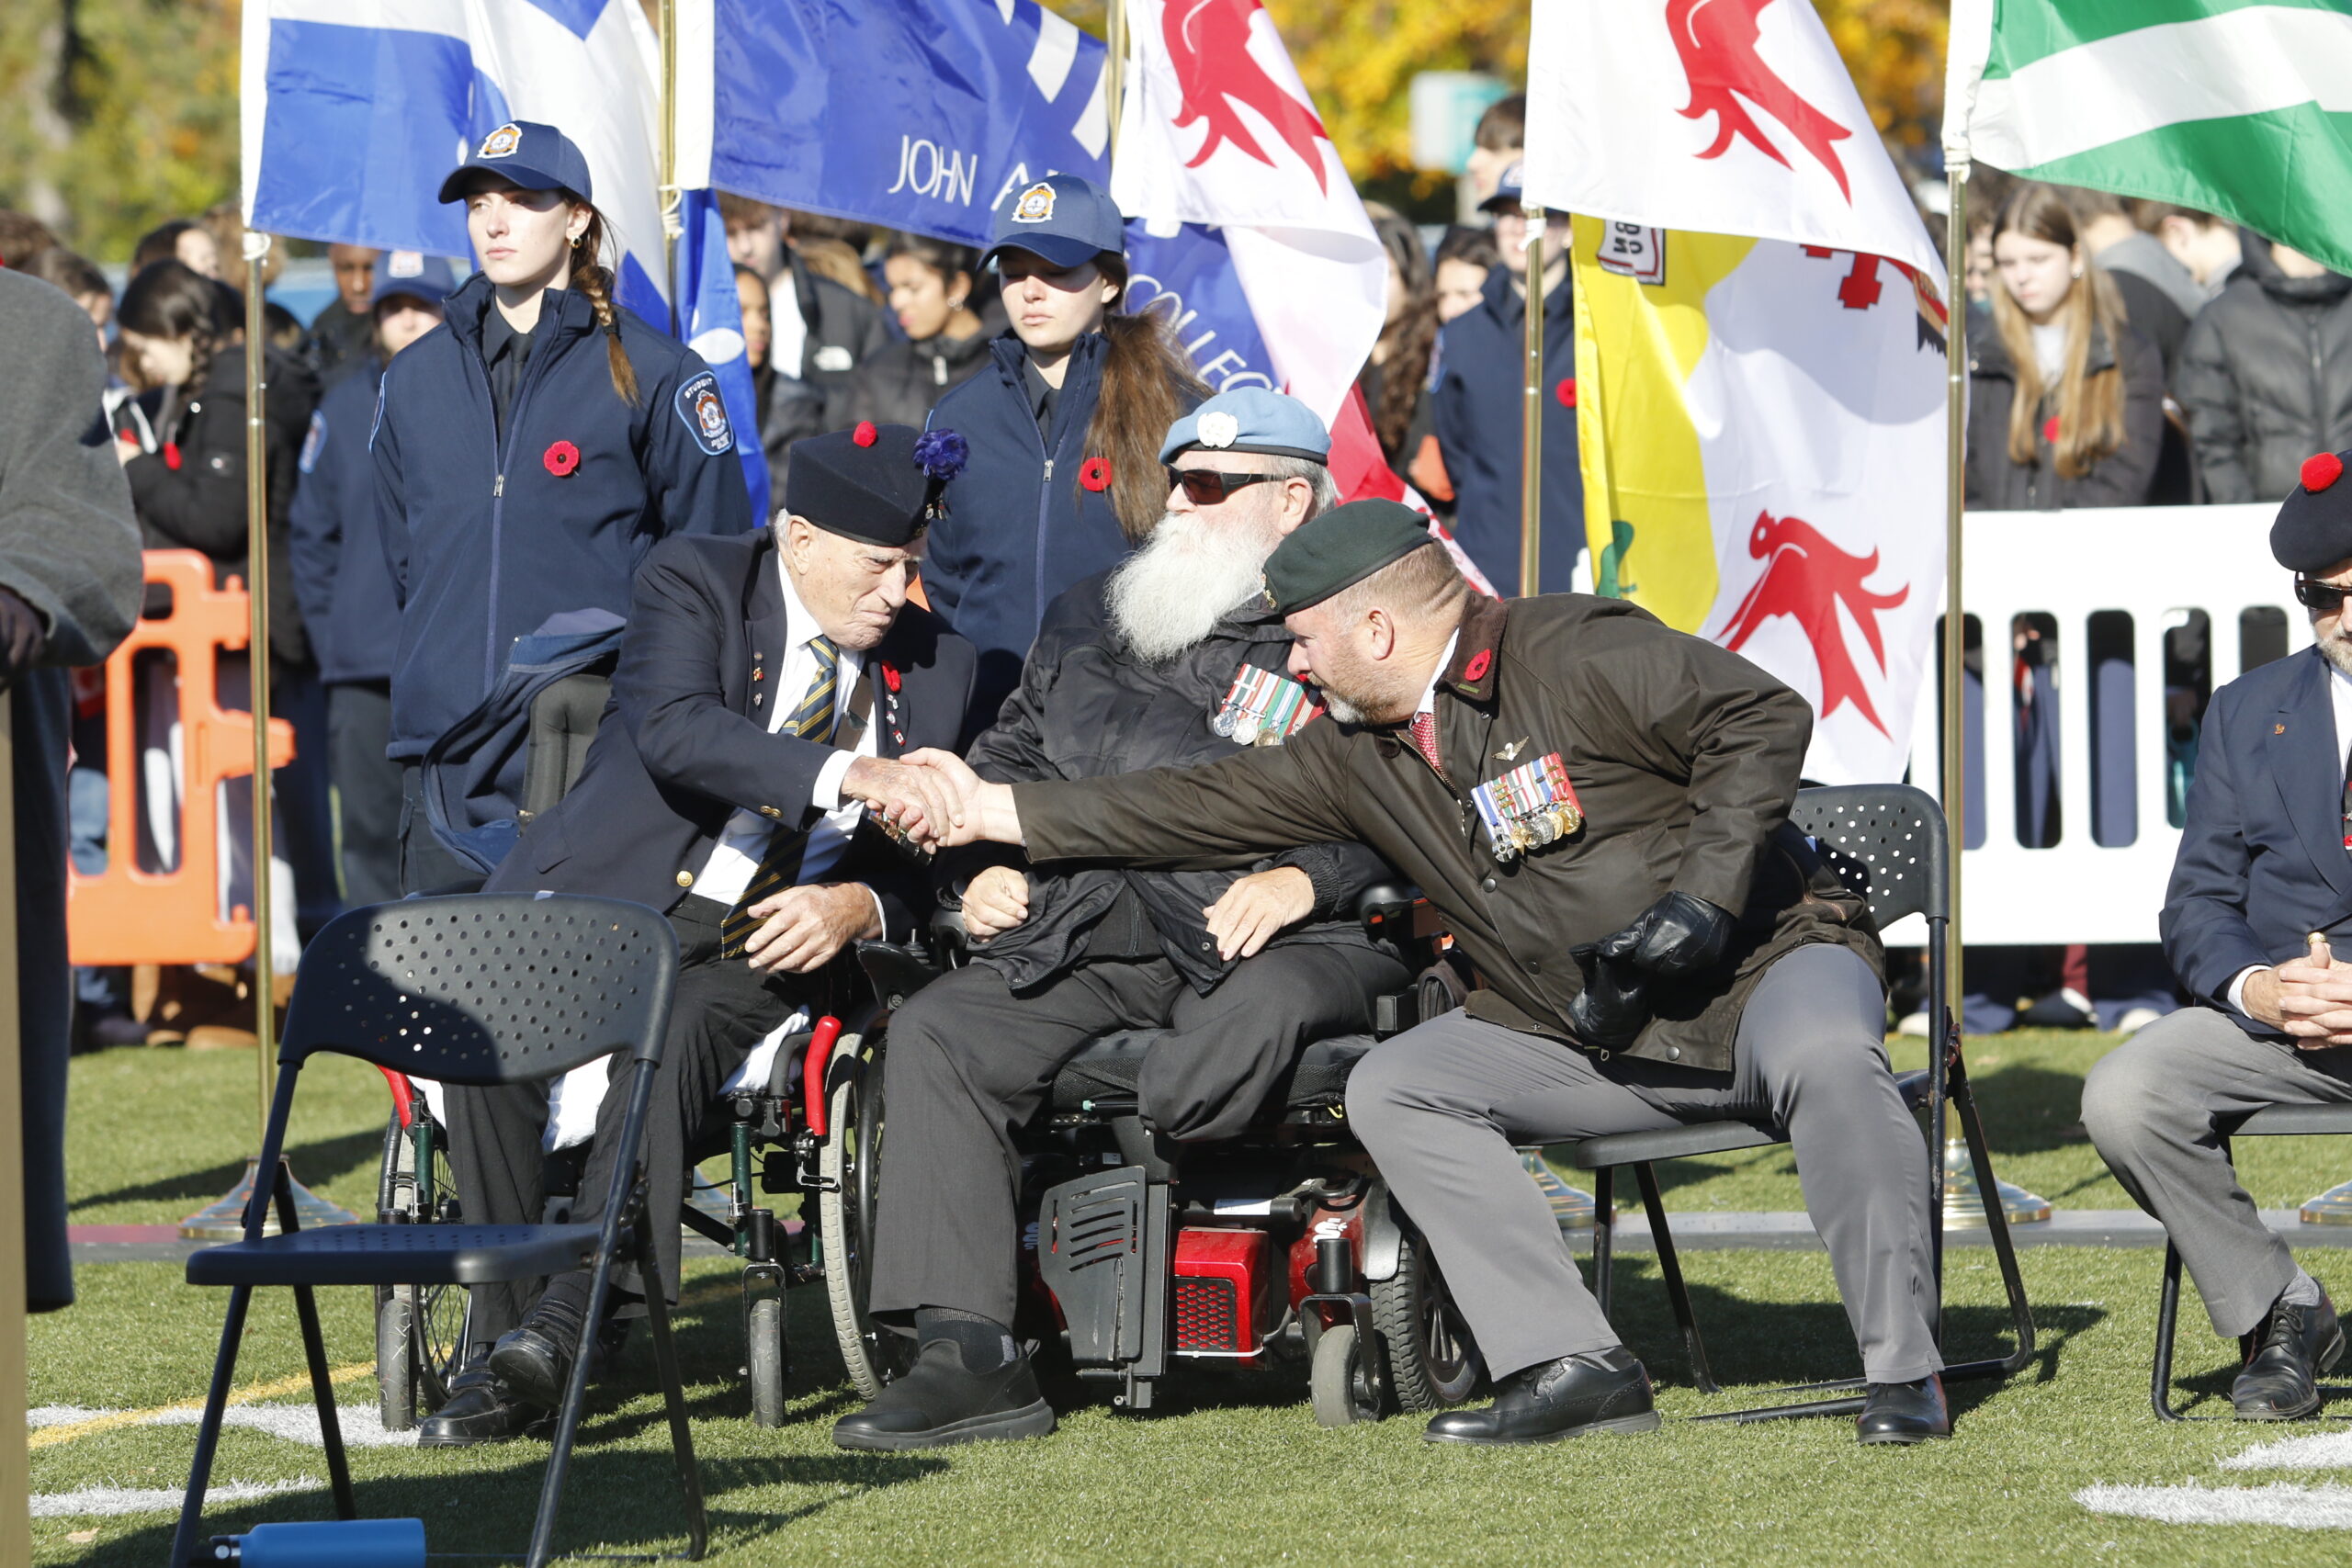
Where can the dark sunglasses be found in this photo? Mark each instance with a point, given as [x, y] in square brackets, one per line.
[1207, 487]
[2321, 596]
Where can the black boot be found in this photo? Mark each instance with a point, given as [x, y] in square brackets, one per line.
[1601, 1391]
[938, 1403]
[2298, 1345]
[534, 1360]
[1904, 1412]
[480, 1409]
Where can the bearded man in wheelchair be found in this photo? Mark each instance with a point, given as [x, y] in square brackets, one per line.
[1172, 658]
[766, 683]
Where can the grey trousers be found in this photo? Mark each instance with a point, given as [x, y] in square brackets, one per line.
[1441, 1107]
[2150, 1106]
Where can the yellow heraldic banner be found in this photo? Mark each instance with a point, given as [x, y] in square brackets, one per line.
[1761, 428]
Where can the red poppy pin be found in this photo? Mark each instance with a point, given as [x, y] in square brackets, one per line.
[561, 459]
[865, 435]
[172, 456]
[1480, 662]
[1567, 391]
[1095, 474]
[890, 676]
[2050, 430]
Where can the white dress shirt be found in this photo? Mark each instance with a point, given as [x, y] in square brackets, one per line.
[2339, 692]
[1429, 693]
[735, 857]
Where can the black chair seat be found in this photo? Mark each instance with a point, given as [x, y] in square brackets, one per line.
[1108, 1069]
[1704, 1137]
[2293, 1120]
[397, 1254]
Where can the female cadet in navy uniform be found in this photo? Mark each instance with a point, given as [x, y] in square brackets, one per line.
[528, 457]
[1064, 425]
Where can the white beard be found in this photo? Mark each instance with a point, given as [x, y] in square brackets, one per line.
[1339, 707]
[1187, 576]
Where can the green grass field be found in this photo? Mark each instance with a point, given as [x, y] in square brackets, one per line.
[1233, 1468]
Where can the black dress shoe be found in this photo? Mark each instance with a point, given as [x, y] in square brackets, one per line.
[1603, 1390]
[1904, 1412]
[480, 1409]
[2299, 1346]
[534, 1362]
[938, 1403]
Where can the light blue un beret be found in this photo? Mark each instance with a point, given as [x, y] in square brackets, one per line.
[1251, 419]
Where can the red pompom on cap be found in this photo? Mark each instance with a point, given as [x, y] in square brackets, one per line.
[1567, 391]
[865, 435]
[1095, 474]
[1480, 662]
[561, 459]
[2322, 470]
[2050, 430]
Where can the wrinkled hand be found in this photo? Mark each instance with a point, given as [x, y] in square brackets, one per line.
[996, 901]
[803, 927]
[1678, 935]
[1256, 909]
[918, 801]
[2310, 997]
[21, 637]
[982, 810]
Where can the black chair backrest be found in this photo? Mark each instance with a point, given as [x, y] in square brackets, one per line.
[485, 987]
[1885, 842]
[563, 722]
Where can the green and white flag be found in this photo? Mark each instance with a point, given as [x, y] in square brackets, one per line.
[2242, 107]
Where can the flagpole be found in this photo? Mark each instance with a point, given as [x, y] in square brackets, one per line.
[1114, 67]
[1531, 423]
[672, 225]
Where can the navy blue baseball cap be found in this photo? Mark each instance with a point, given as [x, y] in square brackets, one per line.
[1508, 190]
[533, 156]
[414, 274]
[1062, 217]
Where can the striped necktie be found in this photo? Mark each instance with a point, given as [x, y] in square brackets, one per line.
[812, 721]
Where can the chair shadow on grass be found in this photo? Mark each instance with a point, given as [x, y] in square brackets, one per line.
[315, 1164]
[1756, 1343]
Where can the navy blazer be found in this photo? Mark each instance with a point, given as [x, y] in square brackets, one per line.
[2262, 862]
[682, 747]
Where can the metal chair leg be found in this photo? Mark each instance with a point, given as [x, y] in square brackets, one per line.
[315, 1352]
[1670, 1267]
[673, 1394]
[1605, 1235]
[207, 1431]
[2167, 1325]
[1980, 1159]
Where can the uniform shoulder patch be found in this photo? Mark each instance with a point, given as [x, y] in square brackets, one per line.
[704, 413]
[313, 441]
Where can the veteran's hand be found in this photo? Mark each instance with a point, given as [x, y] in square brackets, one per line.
[984, 811]
[2310, 997]
[1256, 909]
[996, 901]
[802, 928]
[918, 801]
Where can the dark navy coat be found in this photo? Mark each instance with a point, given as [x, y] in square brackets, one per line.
[485, 541]
[1021, 528]
[346, 590]
[1477, 408]
[2261, 860]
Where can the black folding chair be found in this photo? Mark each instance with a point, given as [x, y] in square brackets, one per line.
[480, 988]
[1888, 843]
[2270, 1122]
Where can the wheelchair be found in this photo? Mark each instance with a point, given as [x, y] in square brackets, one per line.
[1274, 1247]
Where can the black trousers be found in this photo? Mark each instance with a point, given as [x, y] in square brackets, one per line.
[426, 866]
[367, 788]
[968, 1064]
[721, 1009]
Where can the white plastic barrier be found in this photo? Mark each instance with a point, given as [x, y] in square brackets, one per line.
[2156, 564]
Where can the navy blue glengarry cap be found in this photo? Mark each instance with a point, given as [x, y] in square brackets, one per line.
[1338, 549]
[1511, 190]
[414, 275]
[2314, 526]
[1062, 217]
[1251, 419]
[526, 153]
[877, 483]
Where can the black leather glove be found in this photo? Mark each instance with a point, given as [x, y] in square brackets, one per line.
[1612, 1007]
[22, 638]
[1677, 935]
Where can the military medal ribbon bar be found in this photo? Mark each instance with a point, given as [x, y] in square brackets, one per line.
[1531, 805]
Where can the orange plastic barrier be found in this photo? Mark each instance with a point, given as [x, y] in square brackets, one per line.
[130, 916]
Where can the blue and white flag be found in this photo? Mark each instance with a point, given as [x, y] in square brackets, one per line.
[355, 110]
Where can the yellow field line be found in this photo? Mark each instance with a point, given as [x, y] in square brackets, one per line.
[48, 1437]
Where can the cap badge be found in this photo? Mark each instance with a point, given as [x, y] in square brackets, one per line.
[1219, 429]
[1036, 204]
[405, 264]
[502, 142]
[1266, 591]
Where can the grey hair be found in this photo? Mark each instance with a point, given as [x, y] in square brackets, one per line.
[1325, 490]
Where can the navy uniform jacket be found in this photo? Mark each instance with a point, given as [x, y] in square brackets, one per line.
[681, 749]
[346, 590]
[2262, 862]
[485, 541]
[1481, 392]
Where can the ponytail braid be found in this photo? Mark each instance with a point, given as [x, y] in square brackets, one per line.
[590, 277]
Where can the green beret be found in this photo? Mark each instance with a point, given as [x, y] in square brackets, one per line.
[1340, 549]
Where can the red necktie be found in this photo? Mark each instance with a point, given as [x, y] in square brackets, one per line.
[1424, 729]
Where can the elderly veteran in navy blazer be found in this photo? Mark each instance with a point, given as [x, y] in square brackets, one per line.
[766, 684]
[2261, 895]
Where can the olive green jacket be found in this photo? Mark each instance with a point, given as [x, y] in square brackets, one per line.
[1684, 758]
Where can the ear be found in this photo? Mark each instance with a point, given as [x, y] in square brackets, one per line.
[1379, 638]
[1298, 500]
[1112, 289]
[796, 538]
[576, 222]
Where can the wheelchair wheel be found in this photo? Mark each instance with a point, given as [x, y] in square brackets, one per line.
[850, 1168]
[1345, 1382]
[420, 1330]
[763, 1359]
[1432, 1361]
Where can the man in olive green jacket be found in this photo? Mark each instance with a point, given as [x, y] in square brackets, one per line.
[1597, 806]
